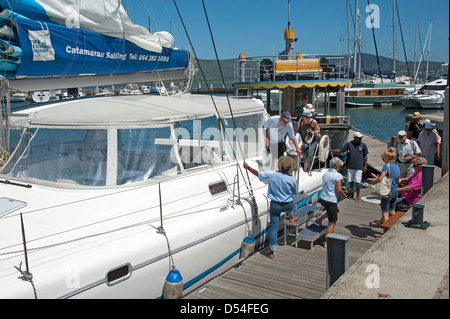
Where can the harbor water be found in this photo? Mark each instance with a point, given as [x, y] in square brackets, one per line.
[383, 122]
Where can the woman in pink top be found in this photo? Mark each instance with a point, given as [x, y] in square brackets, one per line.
[413, 184]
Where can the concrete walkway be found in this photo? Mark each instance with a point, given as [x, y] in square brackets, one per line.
[405, 263]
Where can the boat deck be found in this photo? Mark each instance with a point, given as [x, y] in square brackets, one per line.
[295, 272]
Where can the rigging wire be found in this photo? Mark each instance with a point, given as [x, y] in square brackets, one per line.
[403, 41]
[229, 104]
[249, 187]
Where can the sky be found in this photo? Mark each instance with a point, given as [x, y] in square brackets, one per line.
[256, 27]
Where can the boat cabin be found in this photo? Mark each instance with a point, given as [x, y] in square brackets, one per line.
[113, 141]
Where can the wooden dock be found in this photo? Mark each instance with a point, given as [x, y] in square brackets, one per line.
[300, 273]
[295, 272]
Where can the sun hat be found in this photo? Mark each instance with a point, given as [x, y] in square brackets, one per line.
[286, 116]
[357, 134]
[416, 115]
[310, 107]
[429, 126]
[307, 113]
[401, 133]
[287, 164]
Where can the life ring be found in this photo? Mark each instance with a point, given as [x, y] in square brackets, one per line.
[324, 148]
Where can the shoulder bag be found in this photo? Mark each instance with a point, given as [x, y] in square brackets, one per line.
[383, 188]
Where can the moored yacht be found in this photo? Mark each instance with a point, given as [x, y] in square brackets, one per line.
[430, 95]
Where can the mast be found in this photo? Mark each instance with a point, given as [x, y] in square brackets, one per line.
[429, 48]
[393, 34]
[415, 47]
[348, 38]
[289, 36]
[355, 39]
[289, 14]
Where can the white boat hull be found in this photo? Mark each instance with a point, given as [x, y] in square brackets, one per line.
[205, 235]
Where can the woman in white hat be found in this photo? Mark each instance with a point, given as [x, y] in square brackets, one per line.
[428, 142]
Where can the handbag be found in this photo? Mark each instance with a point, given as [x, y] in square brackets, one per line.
[383, 188]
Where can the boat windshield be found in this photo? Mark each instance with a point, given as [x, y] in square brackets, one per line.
[86, 157]
[119, 156]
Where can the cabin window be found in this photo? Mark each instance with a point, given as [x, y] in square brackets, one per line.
[119, 274]
[367, 92]
[397, 92]
[275, 101]
[218, 188]
[146, 153]
[71, 156]
[380, 92]
[247, 140]
[199, 142]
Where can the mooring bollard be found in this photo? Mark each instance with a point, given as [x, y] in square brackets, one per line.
[427, 178]
[337, 257]
[417, 218]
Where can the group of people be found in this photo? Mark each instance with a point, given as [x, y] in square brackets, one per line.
[403, 164]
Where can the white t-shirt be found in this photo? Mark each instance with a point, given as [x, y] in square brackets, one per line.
[278, 131]
[290, 145]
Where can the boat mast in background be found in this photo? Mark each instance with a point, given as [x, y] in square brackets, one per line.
[393, 36]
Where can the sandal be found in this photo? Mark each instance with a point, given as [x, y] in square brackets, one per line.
[270, 254]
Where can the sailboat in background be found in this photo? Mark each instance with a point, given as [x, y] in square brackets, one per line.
[379, 86]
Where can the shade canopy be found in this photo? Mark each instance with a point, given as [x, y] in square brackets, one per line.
[132, 111]
[292, 84]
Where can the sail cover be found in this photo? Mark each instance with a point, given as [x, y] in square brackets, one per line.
[106, 17]
[50, 40]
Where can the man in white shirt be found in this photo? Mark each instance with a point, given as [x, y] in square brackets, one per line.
[406, 150]
[275, 129]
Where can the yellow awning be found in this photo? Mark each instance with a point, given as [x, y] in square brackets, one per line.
[293, 84]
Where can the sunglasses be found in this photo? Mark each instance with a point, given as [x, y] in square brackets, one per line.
[415, 165]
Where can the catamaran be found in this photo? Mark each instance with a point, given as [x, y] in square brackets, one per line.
[138, 196]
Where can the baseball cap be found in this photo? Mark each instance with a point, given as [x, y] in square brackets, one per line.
[401, 133]
[357, 134]
[429, 126]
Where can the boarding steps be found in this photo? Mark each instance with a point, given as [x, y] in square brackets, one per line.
[305, 214]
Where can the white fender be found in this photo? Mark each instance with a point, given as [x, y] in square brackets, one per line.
[324, 148]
